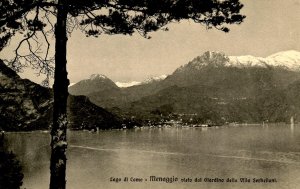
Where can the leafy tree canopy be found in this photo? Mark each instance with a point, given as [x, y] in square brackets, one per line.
[122, 16]
[96, 17]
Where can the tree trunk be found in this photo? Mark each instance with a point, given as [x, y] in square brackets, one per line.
[60, 88]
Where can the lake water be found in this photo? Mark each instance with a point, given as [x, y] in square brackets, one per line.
[210, 154]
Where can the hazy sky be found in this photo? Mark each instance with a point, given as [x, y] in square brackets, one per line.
[271, 26]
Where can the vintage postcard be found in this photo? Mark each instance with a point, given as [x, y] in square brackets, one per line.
[179, 94]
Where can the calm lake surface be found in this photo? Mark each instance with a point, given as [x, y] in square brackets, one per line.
[269, 151]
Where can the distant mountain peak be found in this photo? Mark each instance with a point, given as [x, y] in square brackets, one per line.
[155, 78]
[212, 58]
[287, 59]
[97, 76]
[291, 59]
[209, 57]
[95, 83]
[147, 81]
[127, 84]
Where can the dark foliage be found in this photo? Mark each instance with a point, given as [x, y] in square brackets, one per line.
[11, 175]
[117, 17]
[86, 115]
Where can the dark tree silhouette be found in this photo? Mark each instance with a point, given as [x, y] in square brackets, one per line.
[11, 175]
[37, 19]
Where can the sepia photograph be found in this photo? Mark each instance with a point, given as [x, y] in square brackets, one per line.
[149, 94]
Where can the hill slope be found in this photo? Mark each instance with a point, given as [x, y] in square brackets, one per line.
[25, 105]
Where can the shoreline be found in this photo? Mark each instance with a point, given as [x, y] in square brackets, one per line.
[161, 126]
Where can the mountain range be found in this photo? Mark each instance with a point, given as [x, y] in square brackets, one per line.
[287, 59]
[212, 86]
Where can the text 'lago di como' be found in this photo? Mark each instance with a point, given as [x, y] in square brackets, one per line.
[173, 179]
